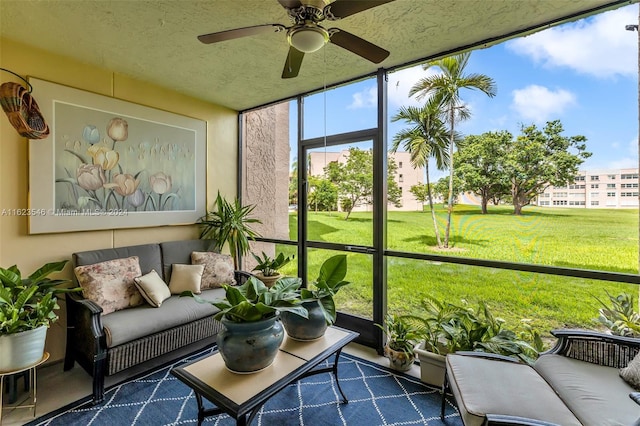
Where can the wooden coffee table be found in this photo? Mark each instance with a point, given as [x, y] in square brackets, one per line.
[242, 395]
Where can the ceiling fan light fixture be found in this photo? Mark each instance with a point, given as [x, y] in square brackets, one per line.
[308, 39]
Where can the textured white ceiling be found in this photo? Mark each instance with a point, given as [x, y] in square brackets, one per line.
[156, 41]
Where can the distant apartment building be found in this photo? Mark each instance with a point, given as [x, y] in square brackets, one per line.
[593, 189]
[406, 176]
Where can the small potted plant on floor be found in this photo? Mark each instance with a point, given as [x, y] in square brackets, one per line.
[27, 309]
[269, 267]
[402, 337]
[318, 299]
[249, 313]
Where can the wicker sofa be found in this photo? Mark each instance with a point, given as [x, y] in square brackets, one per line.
[575, 383]
[108, 344]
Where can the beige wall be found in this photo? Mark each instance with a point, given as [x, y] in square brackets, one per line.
[31, 251]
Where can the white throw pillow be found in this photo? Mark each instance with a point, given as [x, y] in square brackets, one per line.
[153, 288]
[185, 278]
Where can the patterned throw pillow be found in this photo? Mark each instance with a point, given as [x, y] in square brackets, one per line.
[152, 288]
[218, 268]
[110, 284]
[185, 278]
[631, 373]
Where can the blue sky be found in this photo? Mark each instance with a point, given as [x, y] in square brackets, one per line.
[583, 73]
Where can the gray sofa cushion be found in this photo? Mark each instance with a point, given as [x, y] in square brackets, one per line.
[148, 254]
[180, 252]
[130, 324]
[596, 394]
[487, 386]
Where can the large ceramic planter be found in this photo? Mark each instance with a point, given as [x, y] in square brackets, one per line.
[300, 328]
[399, 360]
[20, 350]
[432, 366]
[248, 347]
[269, 281]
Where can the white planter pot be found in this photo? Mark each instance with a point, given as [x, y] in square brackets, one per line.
[270, 280]
[398, 360]
[20, 350]
[432, 366]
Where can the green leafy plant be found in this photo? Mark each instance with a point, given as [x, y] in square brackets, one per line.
[28, 303]
[448, 328]
[269, 266]
[402, 335]
[324, 288]
[620, 316]
[230, 223]
[254, 301]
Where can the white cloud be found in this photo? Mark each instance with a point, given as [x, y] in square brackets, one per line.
[540, 104]
[598, 46]
[400, 83]
[367, 98]
[627, 154]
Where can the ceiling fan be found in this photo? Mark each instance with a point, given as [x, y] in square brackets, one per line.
[306, 35]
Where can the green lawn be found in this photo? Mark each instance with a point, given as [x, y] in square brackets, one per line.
[577, 238]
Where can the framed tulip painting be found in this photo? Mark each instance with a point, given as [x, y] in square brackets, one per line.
[110, 164]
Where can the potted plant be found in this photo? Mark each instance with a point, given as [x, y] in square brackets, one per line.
[402, 337]
[269, 267]
[318, 299]
[447, 328]
[230, 223]
[619, 316]
[27, 309]
[252, 333]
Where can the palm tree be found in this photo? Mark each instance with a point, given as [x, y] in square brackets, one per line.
[426, 139]
[445, 88]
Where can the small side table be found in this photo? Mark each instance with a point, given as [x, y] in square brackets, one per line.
[32, 379]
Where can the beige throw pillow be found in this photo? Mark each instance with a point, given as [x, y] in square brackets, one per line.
[218, 268]
[153, 288]
[185, 278]
[110, 284]
[631, 373]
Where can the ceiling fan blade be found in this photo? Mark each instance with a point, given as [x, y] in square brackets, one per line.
[358, 45]
[293, 63]
[240, 32]
[290, 4]
[343, 8]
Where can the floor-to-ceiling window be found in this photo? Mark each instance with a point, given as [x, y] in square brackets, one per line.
[544, 220]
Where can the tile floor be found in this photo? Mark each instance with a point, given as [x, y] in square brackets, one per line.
[56, 388]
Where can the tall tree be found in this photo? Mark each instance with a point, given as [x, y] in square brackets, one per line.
[354, 179]
[445, 88]
[480, 165]
[426, 138]
[537, 159]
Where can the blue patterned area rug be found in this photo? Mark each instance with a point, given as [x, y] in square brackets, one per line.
[377, 396]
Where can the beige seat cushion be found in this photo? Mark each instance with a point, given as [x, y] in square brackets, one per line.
[596, 394]
[485, 386]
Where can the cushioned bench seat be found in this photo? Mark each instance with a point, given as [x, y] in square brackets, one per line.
[595, 393]
[488, 386]
[175, 311]
[577, 382]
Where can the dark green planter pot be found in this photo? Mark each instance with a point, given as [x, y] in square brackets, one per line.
[304, 329]
[249, 347]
